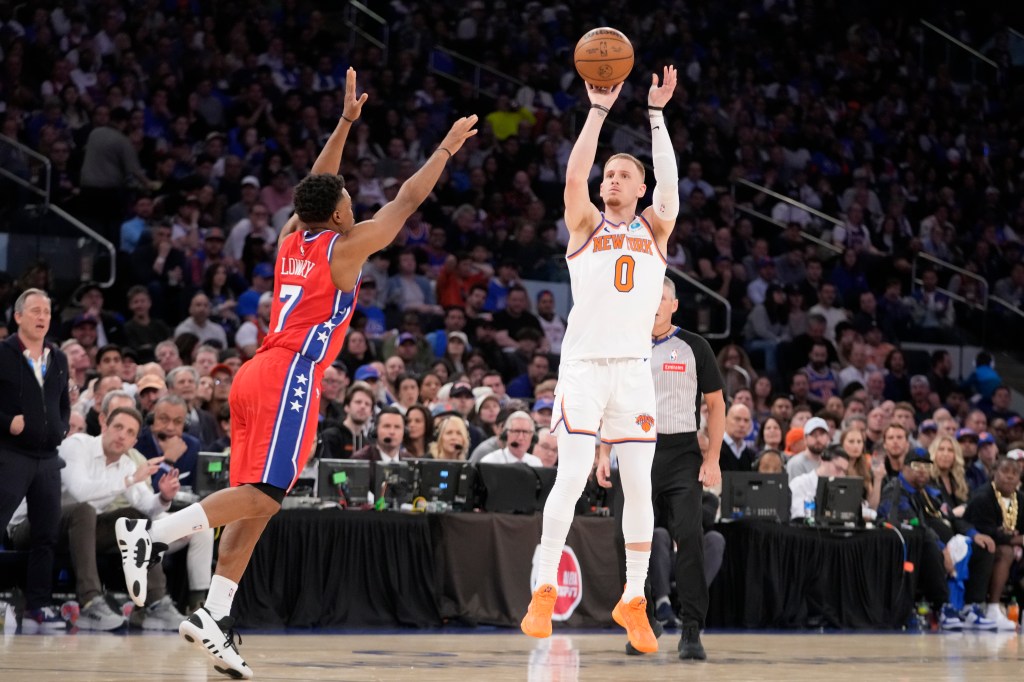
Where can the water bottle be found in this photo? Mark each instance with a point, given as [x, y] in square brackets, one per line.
[923, 613]
[809, 511]
[1013, 611]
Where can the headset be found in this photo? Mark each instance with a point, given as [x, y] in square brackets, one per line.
[519, 414]
[389, 410]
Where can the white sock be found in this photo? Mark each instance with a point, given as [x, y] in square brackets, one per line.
[636, 573]
[552, 540]
[189, 520]
[220, 597]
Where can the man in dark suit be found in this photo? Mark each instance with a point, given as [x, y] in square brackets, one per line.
[736, 454]
[164, 436]
[390, 434]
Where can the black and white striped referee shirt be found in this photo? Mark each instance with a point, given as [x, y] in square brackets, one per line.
[684, 369]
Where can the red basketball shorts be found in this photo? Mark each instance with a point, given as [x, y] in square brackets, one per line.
[275, 405]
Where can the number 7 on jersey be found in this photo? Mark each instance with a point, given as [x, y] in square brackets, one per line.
[290, 295]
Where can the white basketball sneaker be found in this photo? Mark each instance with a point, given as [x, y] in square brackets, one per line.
[138, 553]
[216, 639]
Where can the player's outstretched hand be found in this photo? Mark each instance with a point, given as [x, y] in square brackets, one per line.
[603, 468]
[604, 97]
[353, 105]
[461, 131]
[660, 95]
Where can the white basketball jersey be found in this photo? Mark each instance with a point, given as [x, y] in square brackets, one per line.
[617, 278]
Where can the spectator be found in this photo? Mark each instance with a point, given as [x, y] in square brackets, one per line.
[816, 439]
[547, 447]
[166, 438]
[1000, 404]
[419, 430]
[387, 445]
[737, 455]
[252, 332]
[804, 488]
[33, 425]
[769, 436]
[409, 291]
[939, 377]
[517, 438]
[451, 439]
[198, 323]
[907, 498]
[262, 282]
[103, 386]
[552, 324]
[538, 369]
[353, 433]
[515, 317]
[827, 308]
[897, 381]
[934, 309]
[895, 447]
[993, 511]
[768, 326]
[948, 473]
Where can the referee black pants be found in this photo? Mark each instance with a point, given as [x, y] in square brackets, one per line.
[676, 493]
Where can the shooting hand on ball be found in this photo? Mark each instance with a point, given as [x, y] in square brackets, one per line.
[604, 97]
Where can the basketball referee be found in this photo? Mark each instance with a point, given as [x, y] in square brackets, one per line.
[684, 368]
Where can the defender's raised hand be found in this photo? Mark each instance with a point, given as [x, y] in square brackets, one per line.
[461, 131]
[353, 105]
[660, 95]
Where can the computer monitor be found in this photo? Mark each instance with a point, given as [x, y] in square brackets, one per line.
[438, 479]
[509, 488]
[838, 501]
[547, 482]
[750, 495]
[392, 481]
[211, 473]
[343, 479]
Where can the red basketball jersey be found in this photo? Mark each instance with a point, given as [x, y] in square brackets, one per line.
[309, 315]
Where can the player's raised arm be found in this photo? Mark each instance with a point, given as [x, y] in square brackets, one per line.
[665, 206]
[372, 235]
[329, 160]
[580, 212]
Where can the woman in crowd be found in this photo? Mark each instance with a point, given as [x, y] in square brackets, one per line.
[769, 462]
[763, 390]
[408, 392]
[852, 443]
[451, 439]
[948, 472]
[222, 298]
[487, 408]
[770, 435]
[430, 384]
[418, 424]
[456, 351]
[356, 352]
[767, 326]
[736, 369]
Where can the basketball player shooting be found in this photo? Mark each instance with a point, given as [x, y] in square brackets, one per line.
[275, 397]
[617, 269]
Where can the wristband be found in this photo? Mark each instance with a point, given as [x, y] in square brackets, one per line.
[346, 118]
[601, 107]
[442, 149]
[650, 108]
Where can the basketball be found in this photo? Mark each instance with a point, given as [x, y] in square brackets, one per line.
[604, 57]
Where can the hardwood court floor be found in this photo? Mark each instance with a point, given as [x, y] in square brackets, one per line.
[508, 655]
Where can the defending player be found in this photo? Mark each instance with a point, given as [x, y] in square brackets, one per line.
[275, 397]
[616, 269]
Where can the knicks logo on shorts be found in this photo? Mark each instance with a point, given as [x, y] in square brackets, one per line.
[645, 422]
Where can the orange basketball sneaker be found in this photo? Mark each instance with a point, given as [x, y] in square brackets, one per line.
[633, 617]
[537, 621]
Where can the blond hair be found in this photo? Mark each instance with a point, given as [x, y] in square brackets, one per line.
[628, 157]
[435, 451]
[956, 472]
